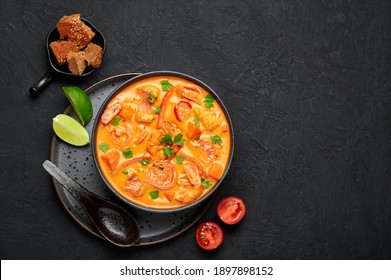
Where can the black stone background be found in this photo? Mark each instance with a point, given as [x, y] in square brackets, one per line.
[307, 84]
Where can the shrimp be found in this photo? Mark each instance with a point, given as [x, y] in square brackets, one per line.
[153, 144]
[111, 111]
[192, 174]
[193, 93]
[172, 128]
[190, 187]
[161, 175]
[133, 185]
[121, 134]
[187, 194]
[140, 134]
[207, 150]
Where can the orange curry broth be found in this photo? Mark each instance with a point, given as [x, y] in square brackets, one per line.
[180, 194]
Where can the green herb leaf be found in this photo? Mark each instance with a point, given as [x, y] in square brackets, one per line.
[166, 85]
[116, 121]
[216, 139]
[168, 152]
[208, 101]
[205, 184]
[197, 137]
[128, 153]
[157, 110]
[151, 98]
[179, 159]
[104, 147]
[144, 162]
[167, 139]
[154, 194]
[125, 172]
[196, 122]
[179, 140]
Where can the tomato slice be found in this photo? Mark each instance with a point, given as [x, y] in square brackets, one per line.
[231, 210]
[209, 236]
[182, 110]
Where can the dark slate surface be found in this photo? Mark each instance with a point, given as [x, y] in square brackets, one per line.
[307, 84]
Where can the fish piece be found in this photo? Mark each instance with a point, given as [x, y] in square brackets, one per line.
[210, 119]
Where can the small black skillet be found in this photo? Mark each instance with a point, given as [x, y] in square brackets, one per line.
[55, 68]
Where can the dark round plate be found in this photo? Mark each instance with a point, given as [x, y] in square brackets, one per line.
[79, 164]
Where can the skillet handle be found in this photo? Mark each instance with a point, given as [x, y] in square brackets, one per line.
[36, 89]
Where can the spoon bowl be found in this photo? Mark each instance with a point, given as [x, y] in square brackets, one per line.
[56, 69]
[114, 223]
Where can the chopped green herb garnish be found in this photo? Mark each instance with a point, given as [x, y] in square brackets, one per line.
[179, 140]
[116, 121]
[125, 172]
[144, 162]
[197, 137]
[151, 98]
[166, 85]
[154, 194]
[104, 147]
[167, 139]
[128, 153]
[216, 139]
[205, 184]
[179, 159]
[168, 152]
[208, 101]
[196, 122]
[157, 110]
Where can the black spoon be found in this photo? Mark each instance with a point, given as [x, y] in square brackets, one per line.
[112, 221]
[55, 68]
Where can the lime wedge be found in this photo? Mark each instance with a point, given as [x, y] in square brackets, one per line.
[70, 130]
[80, 102]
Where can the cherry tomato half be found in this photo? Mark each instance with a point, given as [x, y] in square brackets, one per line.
[209, 236]
[182, 110]
[231, 210]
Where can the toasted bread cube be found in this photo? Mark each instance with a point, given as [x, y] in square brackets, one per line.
[65, 24]
[74, 29]
[94, 55]
[61, 49]
[76, 62]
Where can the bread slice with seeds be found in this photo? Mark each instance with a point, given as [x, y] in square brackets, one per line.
[74, 29]
[61, 48]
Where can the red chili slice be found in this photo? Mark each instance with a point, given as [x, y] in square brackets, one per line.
[182, 110]
[167, 96]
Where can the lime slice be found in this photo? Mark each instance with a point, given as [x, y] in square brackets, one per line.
[80, 102]
[70, 130]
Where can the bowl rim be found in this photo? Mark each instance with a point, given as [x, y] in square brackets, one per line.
[133, 80]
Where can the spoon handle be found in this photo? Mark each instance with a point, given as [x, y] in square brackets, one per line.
[36, 89]
[74, 188]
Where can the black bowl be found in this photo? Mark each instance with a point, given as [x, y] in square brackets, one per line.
[134, 80]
